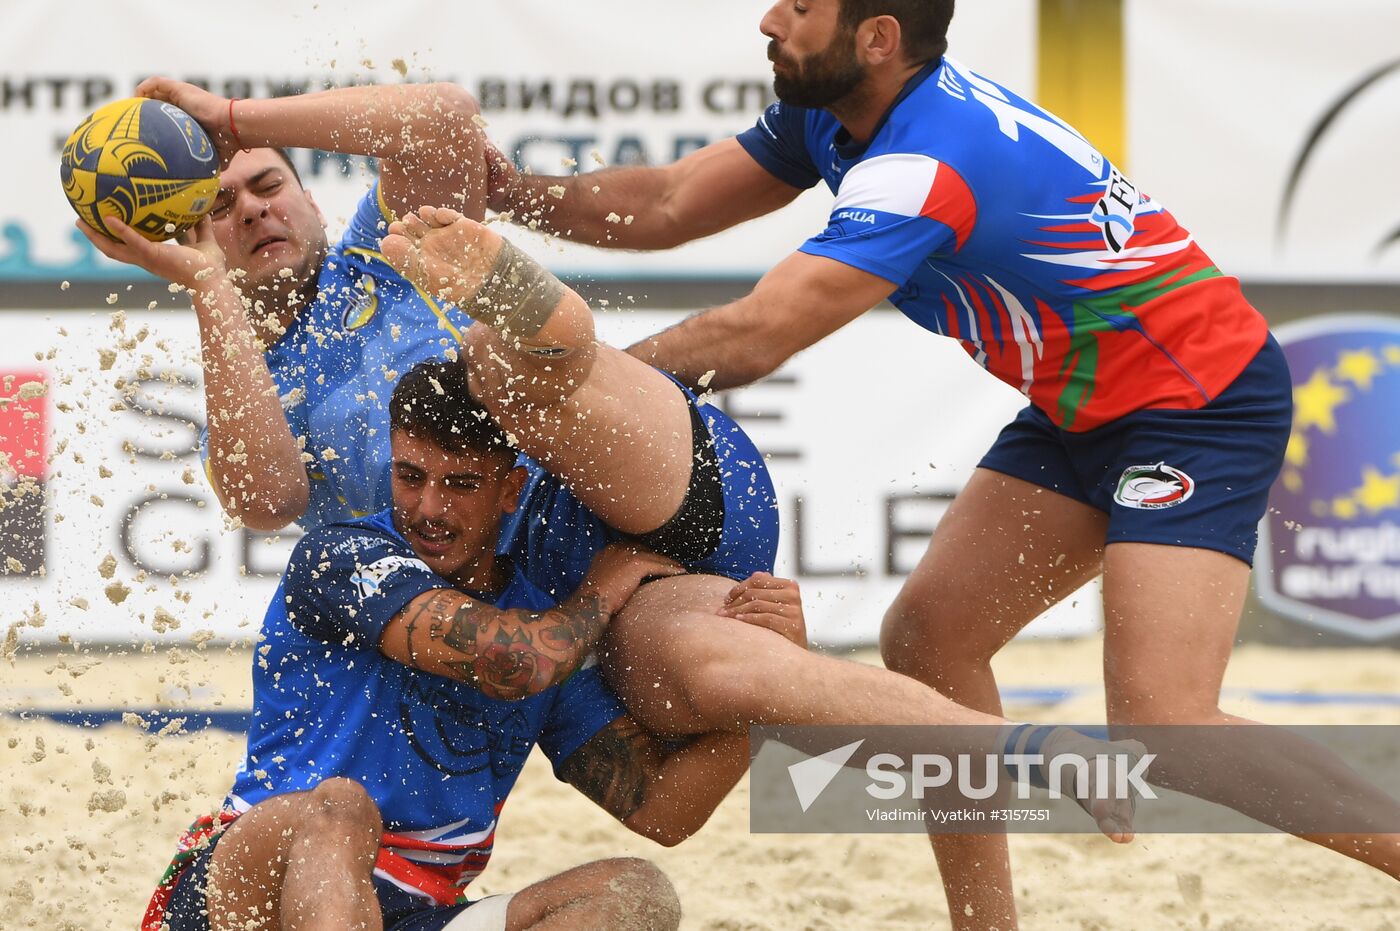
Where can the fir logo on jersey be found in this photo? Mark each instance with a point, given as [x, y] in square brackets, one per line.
[1149, 487]
[1115, 211]
[368, 579]
[361, 307]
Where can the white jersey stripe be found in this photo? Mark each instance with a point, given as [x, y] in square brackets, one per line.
[1024, 331]
[898, 184]
[972, 335]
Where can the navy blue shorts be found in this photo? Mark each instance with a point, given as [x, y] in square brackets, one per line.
[186, 910]
[1196, 478]
[552, 537]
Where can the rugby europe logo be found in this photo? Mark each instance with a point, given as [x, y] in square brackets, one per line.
[1149, 487]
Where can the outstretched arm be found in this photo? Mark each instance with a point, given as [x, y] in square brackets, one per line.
[709, 190]
[430, 150]
[802, 300]
[512, 653]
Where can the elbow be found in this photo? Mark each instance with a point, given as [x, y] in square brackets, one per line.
[663, 832]
[448, 106]
[523, 680]
[672, 839]
[267, 511]
[267, 521]
[453, 100]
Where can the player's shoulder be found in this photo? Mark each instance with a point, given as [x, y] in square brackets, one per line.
[348, 541]
[370, 221]
[784, 123]
[932, 118]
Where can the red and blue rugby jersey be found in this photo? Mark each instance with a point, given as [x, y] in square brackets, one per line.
[1002, 227]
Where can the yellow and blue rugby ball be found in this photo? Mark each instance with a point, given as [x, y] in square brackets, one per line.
[145, 162]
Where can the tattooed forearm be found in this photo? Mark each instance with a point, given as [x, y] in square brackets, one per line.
[421, 612]
[614, 767]
[508, 654]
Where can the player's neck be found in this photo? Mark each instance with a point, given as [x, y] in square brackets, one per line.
[861, 111]
[488, 575]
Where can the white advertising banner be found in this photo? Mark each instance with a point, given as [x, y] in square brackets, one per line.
[1267, 127]
[134, 548]
[605, 82]
[1270, 128]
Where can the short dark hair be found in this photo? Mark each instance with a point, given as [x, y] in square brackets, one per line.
[287, 157]
[432, 401]
[923, 24]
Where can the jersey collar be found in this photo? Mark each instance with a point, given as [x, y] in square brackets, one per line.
[847, 148]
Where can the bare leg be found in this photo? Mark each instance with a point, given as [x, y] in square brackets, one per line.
[682, 669]
[300, 862]
[626, 894]
[612, 428]
[1175, 608]
[1005, 551]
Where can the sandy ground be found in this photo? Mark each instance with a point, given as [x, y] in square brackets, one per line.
[88, 817]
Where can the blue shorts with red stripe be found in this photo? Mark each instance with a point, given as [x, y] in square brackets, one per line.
[1197, 478]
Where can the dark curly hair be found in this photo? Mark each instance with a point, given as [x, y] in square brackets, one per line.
[432, 401]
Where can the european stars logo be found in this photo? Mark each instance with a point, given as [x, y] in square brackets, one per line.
[1316, 403]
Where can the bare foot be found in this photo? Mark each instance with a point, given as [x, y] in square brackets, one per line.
[1111, 802]
[442, 252]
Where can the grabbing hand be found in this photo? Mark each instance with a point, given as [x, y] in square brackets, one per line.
[501, 177]
[210, 111]
[194, 260]
[620, 569]
[768, 601]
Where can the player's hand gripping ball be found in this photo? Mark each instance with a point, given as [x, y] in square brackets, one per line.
[143, 161]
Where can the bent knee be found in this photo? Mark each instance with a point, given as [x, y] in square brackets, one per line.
[343, 800]
[921, 642]
[645, 896]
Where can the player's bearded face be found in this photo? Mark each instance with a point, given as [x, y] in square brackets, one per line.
[819, 79]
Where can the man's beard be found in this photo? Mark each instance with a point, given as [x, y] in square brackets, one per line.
[821, 79]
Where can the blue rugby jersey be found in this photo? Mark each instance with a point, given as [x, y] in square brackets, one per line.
[437, 756]
[337, 364]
